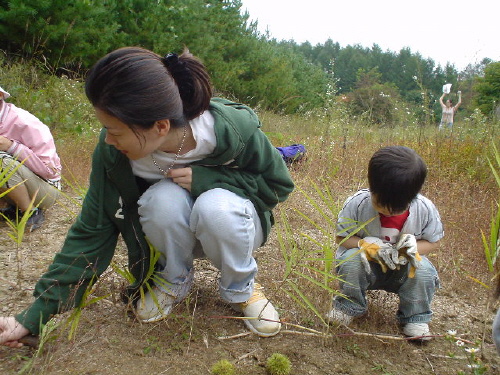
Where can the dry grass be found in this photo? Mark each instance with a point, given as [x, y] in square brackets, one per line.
[459, 183]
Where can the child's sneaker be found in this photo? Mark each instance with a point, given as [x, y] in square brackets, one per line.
[263, 319]
[338, 317]
[36, 219]
[418, 331]
[156, 305]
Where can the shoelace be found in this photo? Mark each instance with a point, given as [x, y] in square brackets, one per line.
[257, 295]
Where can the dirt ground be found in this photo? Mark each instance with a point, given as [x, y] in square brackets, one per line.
[201, 331]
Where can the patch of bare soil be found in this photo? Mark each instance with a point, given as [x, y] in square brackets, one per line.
[201, 331]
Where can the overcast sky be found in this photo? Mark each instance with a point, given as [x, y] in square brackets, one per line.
[459, 32]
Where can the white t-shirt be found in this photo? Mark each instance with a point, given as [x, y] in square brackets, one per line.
[204, 135]
[448, 113]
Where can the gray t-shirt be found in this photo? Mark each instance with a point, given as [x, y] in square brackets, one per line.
[423, 222]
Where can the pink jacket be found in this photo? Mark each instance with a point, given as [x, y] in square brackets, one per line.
[32, 140]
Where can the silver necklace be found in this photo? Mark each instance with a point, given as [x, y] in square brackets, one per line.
[176, 155]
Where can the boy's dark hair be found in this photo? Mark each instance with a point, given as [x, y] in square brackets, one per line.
[396, 175]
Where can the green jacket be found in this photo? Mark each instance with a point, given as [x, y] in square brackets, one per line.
[244, 162]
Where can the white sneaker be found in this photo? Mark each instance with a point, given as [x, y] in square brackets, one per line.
[418, 331]
[263, 317]
[155, 305]
[338, 317]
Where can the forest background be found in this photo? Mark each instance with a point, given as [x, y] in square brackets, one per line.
[383, 87]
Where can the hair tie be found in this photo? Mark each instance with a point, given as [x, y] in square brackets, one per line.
[170, 59]
[181, 75]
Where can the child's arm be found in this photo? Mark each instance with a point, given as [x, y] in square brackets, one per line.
[425, 247]
[349, 243]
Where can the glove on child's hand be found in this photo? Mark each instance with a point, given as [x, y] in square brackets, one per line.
[375, 250]
[407, 248]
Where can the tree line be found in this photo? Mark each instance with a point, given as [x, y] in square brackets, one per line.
[68, 36]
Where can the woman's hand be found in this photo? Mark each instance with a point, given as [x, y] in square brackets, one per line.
[182, 177]
[11, 331]
[5, 143]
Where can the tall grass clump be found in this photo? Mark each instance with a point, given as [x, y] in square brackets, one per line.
[491, 243]
[16, 225]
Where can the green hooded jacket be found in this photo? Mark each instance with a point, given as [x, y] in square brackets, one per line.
[244, 162]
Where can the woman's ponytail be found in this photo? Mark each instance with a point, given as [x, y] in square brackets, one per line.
[193, 82]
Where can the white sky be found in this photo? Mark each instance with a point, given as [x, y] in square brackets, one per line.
[457, 31]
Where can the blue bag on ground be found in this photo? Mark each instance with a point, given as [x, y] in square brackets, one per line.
[293, 153]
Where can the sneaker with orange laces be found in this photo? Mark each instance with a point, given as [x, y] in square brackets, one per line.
[263, 319]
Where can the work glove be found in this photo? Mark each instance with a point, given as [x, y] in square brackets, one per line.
[407, 250]
[375, 250]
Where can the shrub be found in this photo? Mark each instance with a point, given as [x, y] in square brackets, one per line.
[223, 367]
[278, 364]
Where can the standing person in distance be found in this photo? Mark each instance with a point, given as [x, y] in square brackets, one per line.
[191, 174]
[448, 111]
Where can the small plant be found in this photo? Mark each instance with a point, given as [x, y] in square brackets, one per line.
[18, 224]
[46, 335]
[354, 348]
[278, 364]
[301, 262]
[475, 366]
[492, 244]
[152, 346]
[381, 368]
[223, 367]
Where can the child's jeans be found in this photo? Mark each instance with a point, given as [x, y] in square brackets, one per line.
[415, 294]
[218, 225]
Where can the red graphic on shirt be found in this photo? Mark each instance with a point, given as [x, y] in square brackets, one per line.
[391, 226]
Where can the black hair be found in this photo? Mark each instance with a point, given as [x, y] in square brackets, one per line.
[395, 176]
[139, 87]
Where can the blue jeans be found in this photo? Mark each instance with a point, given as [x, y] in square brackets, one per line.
[218, 225]
[448, 125]
[415, 294]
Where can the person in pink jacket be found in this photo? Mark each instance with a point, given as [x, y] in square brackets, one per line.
[27, 149]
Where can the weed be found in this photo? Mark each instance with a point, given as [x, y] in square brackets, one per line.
[74, 318]
[152, 346]
[492, 244]
[46, 335]
[354, 348]
[223, 367]
[474, 364]
[382, 369]
[278, 364]
[18, 224]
